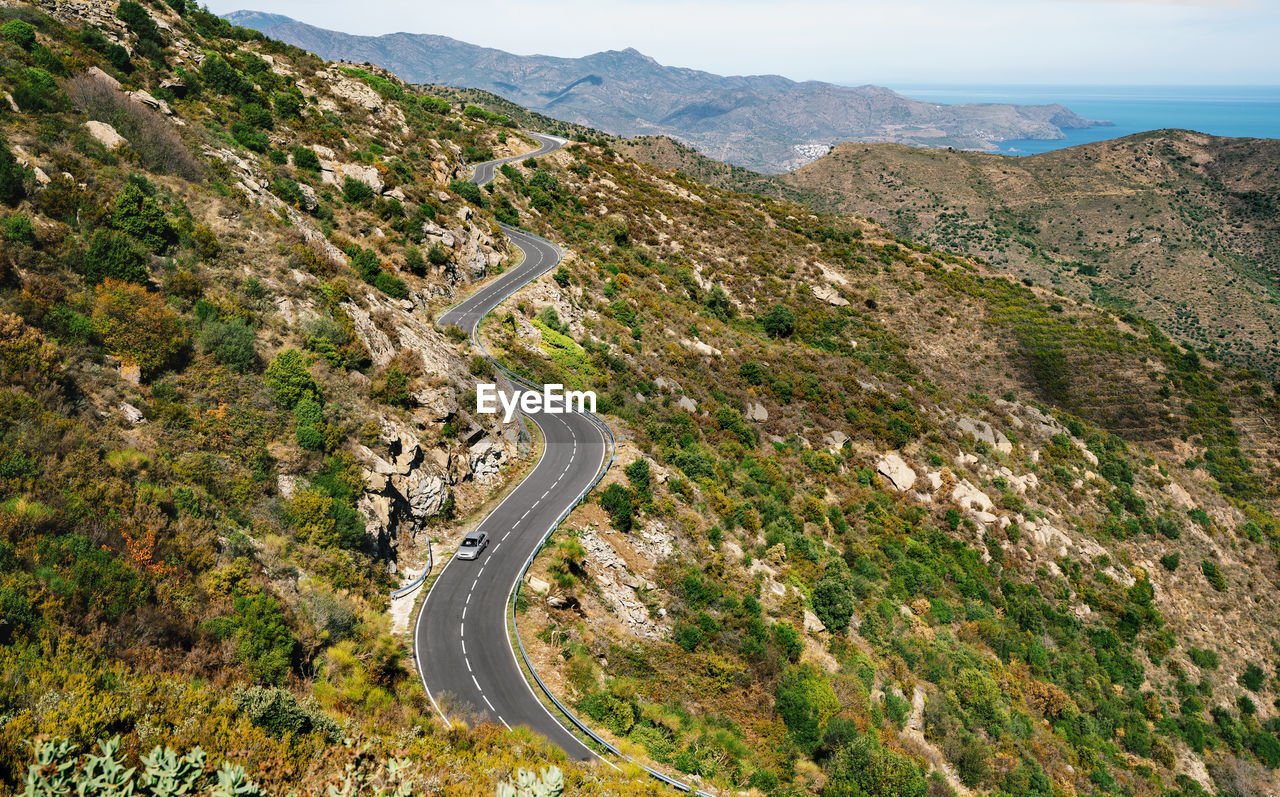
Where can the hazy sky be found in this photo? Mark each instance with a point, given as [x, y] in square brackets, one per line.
[859, 41]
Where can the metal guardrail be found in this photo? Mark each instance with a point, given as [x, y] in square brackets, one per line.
[417, 582]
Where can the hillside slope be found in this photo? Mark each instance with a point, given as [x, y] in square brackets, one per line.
[883, 521]
[763, 122]
[1180, 227]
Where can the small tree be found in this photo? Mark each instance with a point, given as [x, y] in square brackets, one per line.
[356, 192]
[138, 214]
[112, 255]
[616, 500]
[137, 326]
[305, 158]
[13, 187]
[289, 379]
[833, 602]
[20, 33]
[231, 343]
[779, 322]
[437, 254]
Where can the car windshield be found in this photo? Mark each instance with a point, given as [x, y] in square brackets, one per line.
[470, 542]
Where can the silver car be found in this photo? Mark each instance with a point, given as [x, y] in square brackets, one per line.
[473, 545]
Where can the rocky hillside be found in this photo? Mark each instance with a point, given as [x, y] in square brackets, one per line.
[885, 521]
[1179, 227]
[1175, 226]
[229, 427]
[767, 123]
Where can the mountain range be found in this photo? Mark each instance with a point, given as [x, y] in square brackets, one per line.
[764, 122]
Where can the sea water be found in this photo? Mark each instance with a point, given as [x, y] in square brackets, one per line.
[1243, 111]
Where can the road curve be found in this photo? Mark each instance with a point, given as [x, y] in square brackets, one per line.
[460, 640]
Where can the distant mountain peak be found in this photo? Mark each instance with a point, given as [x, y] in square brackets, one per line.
[763, 122]
[256, 19]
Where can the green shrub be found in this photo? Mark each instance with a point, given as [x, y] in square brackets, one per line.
[1253, 678]
[223, 78]
[779, 322]
[437, 255]
[115, 54]
[1168, 527]
[390, 284]
[616, 500]
[356, 192]
[19, 229]
[278, 712]
[13, 176]
[806, 702]
[866, 768]
[414, 261]
[469, 191]
[139, 21]
[34, 89]
[1204, 659]
[832, 602]
[288, 191]
[897, 708]
[289, 378]
[392, 387]
[20, 33]
[88, 578]
[305, 158]
[137, 213]
[249, 137]
[788, 641]
[1170, 561]
[264, 643]
[1214, 575]
[232, 343]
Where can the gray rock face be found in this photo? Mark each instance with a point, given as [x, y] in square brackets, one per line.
[132, 414]
[981, 430]
[151, 102]
[105, 134]
[102, 77]
[477, 264]
[756, 411]
[437, 234]
[426, 491]
[896, 470]
[310, 202]
[485, 457]
[381, 350]
[687, 404]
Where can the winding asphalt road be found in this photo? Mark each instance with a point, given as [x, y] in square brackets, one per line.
[465, 656]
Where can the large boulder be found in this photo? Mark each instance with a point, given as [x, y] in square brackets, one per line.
[426, 492]
[105, 134]
[485, 457]
[896, 470]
